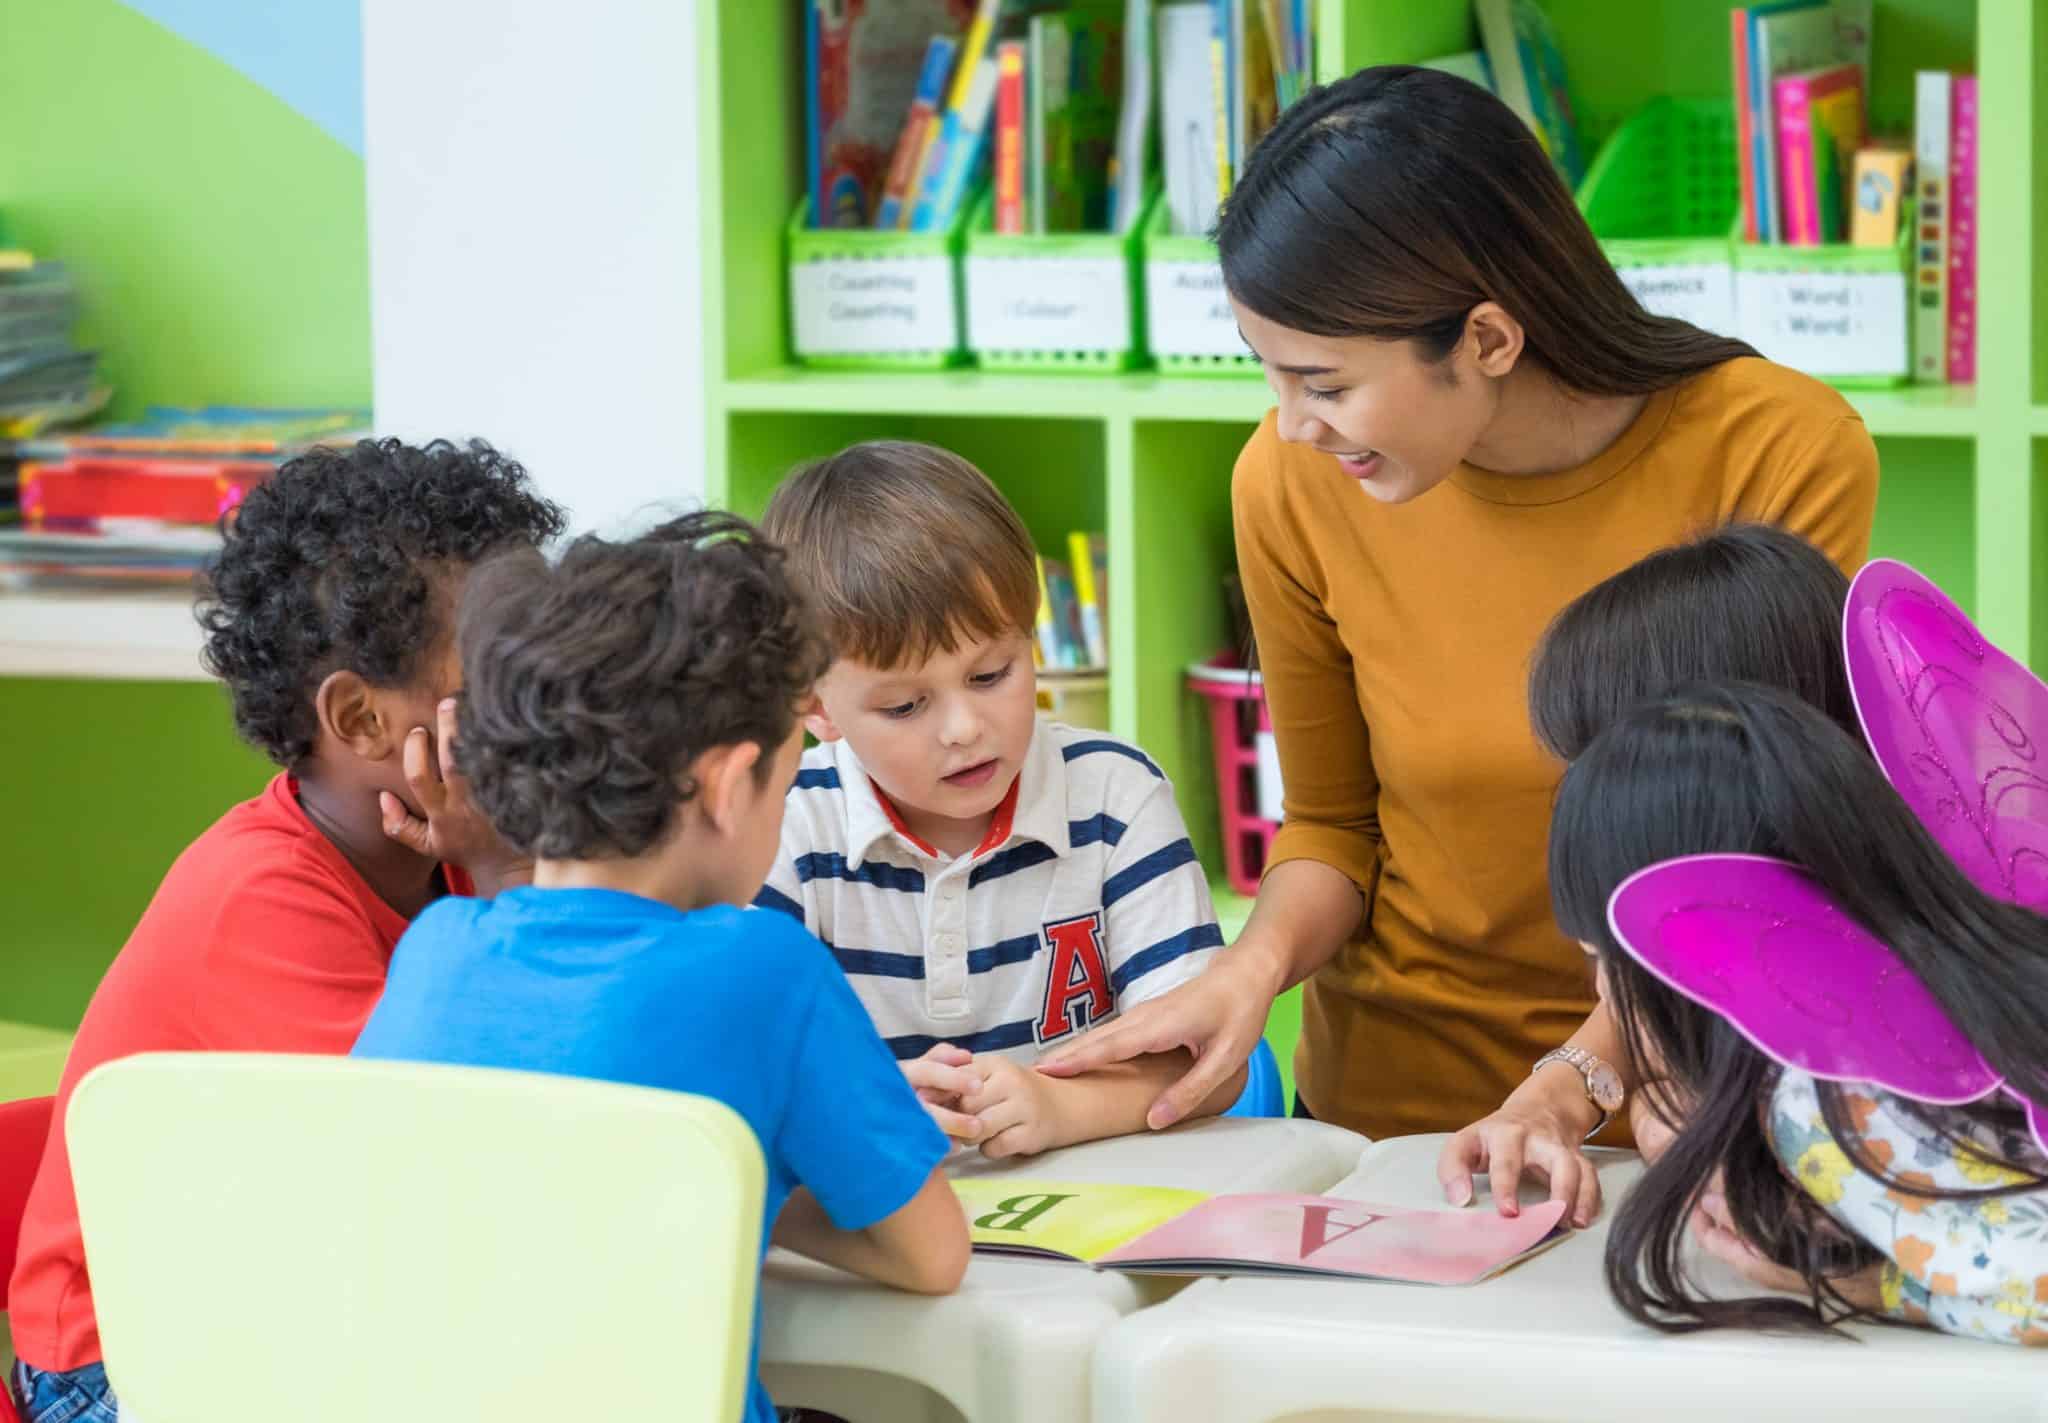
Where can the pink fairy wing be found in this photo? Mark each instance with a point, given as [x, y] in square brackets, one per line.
[1957, 726]
[1761, 943]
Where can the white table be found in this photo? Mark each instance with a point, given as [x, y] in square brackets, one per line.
[1016, 1342]
[1543, 1341]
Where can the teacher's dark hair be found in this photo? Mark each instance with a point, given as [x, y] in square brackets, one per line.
[1745, 603]
[1391, 203]
[1744, 769]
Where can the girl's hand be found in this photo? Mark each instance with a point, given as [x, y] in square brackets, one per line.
[1539, 1128]
[451, 829]
[1715, 1231]
[1218, 1016]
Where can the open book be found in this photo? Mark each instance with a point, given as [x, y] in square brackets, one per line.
[1156, 1230]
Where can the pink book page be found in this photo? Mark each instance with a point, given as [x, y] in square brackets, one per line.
[1962, 249]
[1798, 184]
[1325, 1235]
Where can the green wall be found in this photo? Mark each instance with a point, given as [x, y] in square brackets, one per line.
[220, 243]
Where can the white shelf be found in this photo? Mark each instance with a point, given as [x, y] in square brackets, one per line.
[136, 636]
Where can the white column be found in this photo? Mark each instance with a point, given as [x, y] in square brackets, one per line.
[533, 205]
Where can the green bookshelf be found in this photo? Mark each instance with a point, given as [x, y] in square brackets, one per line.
[1148, 457]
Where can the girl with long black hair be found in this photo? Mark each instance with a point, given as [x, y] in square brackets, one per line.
[1865, 1200]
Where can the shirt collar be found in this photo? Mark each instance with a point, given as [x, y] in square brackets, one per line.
[1034, 809]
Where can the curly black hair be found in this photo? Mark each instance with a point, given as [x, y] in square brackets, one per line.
[334, 563]
[590, 687]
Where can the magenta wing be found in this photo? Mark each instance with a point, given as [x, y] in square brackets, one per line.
[1762, 944]
[1957, 726]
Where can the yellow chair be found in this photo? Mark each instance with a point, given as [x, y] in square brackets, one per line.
[333, 1240]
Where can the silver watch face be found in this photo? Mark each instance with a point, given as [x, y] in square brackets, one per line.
[1603, 1084]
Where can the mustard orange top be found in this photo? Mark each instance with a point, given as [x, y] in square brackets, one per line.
[1396, 641]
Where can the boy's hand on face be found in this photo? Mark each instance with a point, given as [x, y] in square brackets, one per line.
[452, 830]
[1018, 1108]
[941, 1078]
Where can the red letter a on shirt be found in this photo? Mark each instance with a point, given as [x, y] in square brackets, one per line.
[1076, 979]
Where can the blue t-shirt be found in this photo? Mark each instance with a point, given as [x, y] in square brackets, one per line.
[741, 1005]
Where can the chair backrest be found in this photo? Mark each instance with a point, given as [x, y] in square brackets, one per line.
[328, 1239]
[24, 1131]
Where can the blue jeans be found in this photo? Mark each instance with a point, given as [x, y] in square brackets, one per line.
[79, 1396]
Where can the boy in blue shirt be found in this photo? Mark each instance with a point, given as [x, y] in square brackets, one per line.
[630, 717]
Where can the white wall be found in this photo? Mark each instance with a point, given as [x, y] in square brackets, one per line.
[533, 203]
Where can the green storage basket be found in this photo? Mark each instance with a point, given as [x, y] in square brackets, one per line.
[860, 299]
[1189, 328]
[1660, 197]
[1840, 313]
[1066, 302]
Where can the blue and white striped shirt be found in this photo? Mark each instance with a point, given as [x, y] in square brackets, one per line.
[1092, 902]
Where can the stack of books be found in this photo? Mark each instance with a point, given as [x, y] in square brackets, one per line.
[145, 500]
[1226, 70]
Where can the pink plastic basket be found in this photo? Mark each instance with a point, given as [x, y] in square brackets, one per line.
[1237, 719]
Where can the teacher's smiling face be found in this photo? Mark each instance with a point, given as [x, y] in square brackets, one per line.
[1395, 421]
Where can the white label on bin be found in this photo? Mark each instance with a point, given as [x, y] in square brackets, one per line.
[855, 306]
[1187, 313]
[1272, 797]
[1048, 304]
[1826, 323]
[1700, 292]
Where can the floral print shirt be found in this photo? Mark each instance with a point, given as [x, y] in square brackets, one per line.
[1975, 1267]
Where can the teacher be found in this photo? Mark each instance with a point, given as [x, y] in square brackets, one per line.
[1477, 422]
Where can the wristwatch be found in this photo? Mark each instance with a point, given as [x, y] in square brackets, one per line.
[1603, 1083]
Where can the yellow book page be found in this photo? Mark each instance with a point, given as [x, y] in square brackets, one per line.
[1082, 1221]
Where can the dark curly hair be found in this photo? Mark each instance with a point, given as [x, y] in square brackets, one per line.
[333, 563]
[590, 686]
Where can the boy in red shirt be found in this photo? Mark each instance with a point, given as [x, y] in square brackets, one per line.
[329, 614]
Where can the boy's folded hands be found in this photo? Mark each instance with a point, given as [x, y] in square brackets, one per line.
[991, 1102]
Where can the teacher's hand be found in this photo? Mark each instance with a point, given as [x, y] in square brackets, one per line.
[1218, 1016]
[1528, 1133]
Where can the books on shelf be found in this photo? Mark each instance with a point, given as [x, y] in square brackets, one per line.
[1226, 70]
[1819, 117]
[1158, 1230]
[1528, 73]
[145, 499]
[910, 143]
[957, 154]
[1768, 43]
[1073, 612]
[862, 64]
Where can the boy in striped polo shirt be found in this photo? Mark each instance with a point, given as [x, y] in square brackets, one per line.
[991, 884]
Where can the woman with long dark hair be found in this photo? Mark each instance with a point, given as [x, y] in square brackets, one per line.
[1476, 422]
[1862, 1199]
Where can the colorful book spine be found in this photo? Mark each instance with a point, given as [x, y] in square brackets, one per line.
[1745, 125]
[932, 159]
[1819, 126]
[966, 129]
[1047, 644]
[1932, 141]
[1882, 177]
[1010, 137]
[931, 86]
[1219, 84]
[1082, 549]
[1962, 243]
